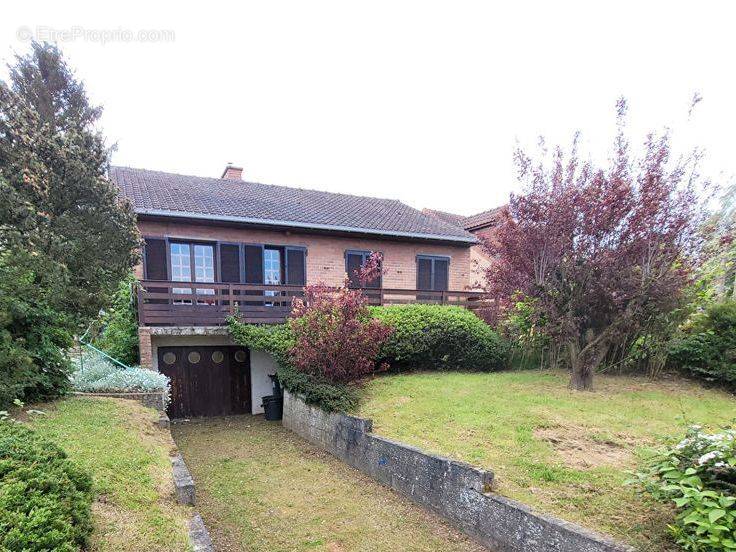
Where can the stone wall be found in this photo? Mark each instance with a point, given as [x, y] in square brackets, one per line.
[455, 490]
[154, 399]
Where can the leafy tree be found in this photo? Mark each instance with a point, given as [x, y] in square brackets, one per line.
[65, 239]
[602, 251]
[119, 336]
[53, 164]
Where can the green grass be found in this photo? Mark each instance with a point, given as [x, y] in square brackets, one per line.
[557, 450]
[262, 488]
[117, 442]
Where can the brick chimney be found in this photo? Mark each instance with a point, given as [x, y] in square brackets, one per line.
[232, 172]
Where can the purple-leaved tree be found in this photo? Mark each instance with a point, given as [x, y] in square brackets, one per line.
[602, 250]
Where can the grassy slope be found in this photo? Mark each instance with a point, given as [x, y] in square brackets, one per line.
[262, 488]
[495, 421]
[128, 459]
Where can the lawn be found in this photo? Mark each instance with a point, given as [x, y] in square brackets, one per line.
[557, 450]
[128, 457]
[262, 488]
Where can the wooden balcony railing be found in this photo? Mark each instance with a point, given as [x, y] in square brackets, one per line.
[166, 303]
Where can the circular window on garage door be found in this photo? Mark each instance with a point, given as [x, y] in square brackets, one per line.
[240, 356]
[217, 357]
[169, 358]
[193, 357]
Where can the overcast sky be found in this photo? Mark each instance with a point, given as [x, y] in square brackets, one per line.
[419, 101]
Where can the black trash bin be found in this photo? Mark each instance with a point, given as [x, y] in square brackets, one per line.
[273, 407]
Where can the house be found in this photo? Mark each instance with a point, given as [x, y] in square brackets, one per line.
[480, 225]
[250, 248]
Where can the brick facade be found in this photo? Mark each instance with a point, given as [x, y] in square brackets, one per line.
[144, 344]
[326, 254]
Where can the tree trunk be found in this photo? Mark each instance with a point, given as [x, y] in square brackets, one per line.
[583, 362]
[581, 378]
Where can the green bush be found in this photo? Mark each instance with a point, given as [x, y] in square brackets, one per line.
[708, 349]
[425, 336]
[45, 499]
[698, 475]
[439, 337]
[119, 337]
[33, 335]
[277, 339]
[332, 397]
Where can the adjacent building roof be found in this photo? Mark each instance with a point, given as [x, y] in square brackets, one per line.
[160, 194]
[473, 222]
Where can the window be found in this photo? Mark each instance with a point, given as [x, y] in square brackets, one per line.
[271, 270]
[181, 268]
[354, 261]
[189, 259]
[432, 272]
[272, 266]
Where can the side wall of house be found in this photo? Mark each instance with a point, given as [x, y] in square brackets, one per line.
[326, 254]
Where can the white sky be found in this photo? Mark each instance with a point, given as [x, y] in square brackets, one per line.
[419, 101]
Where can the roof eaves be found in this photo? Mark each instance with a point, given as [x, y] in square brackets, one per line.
[307, 225]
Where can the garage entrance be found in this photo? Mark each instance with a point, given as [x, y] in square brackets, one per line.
[206, 381]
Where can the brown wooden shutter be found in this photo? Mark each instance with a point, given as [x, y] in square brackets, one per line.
[296, 273]
[156, 261]
[229, 263]
[424, 273]
[441, 274]
[353, 262]
[253, 264]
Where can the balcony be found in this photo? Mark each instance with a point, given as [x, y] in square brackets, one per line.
[166, 303]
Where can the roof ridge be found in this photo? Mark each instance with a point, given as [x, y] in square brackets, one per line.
[262, 184]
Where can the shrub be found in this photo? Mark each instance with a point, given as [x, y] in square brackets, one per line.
[328, 395]
[44, 498]
[335, 339]
[33, 335]
[698, 475]
[98, 375]
[278, 339]
[119, 337]
[708, 349]
[439, 337]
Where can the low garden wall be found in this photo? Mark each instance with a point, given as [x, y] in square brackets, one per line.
[455, 490]
[154, 399]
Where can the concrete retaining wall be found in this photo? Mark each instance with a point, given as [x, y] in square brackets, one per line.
[454, 490]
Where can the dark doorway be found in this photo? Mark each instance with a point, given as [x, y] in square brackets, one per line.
[206, 381]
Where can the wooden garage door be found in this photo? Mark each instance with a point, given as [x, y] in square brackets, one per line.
[206, 381]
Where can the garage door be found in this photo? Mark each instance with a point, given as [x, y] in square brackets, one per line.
[206, 381]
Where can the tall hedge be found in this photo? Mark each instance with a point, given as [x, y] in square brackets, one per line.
[45, 498]
[443, 337]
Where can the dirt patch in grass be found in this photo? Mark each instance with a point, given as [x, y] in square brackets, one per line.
[580, 450]
[262, 488]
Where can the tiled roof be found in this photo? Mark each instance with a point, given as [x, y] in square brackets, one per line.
[473, 222]
[450, 218]
[166, 194]
[486, 218]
